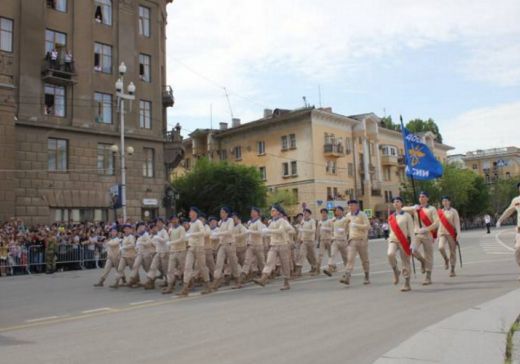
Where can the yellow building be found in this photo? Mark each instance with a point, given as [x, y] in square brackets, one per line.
[316, 154]
[492, 164]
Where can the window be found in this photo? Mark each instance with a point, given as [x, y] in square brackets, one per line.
[263, 174]
[103, 11]
[187, 163]
[292, 141]
[6, 34]
[105, 159]
[54, 41]
[294, 169]
[387, 174]
[102, 58]
[331, 167]
[59, 5]
[285, 143]
[348, 147]
[285, 169]
[57, 155]
[145, 114]
[475, 166]
[103, 108]
[329, 194]
[54, 100]
[148, 164]
[223, 155]
[144, 68]
[79, 215]
[260, 148]
[350, 169]
[144, 21]
[238, 153]
[386, 196]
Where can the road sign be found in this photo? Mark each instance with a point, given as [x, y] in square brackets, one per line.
[330, 205]
[369, 213]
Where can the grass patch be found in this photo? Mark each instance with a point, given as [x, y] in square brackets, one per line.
[509, 342]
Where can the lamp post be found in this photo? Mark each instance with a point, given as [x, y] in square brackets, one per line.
[121, 97]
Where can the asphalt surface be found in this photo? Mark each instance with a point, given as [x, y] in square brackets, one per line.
[61, 318]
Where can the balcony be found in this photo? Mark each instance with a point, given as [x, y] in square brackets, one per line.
[389, 160]
[58, 72]
[333, 150]
[401, 162]
[173, 148]
[167, 96]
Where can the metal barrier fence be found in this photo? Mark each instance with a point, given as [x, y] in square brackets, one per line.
[34, 259]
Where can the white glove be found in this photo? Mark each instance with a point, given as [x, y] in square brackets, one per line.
[187, 236]
[354, 225]
[265, 231]
[423, 231]
[416, 207]
[499, 224]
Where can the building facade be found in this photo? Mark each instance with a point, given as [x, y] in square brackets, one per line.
[59, 118]
[318, 155]
[492, 164]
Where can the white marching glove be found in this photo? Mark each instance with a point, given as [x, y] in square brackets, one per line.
[423, 231]
[187, 236]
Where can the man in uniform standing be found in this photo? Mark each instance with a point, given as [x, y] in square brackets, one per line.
[128, 254]
[358, 225]
[514, 206]
[160, 260]
[307, 233]
[240, 235]
[113, 247]
[324, 235]
[449, 231]
[401, 231]
[226, 250]
[255, 246]
[339, 240]
[177, 254]
[426, 223]
[145, 252]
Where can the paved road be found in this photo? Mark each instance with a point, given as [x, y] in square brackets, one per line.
[63, 319]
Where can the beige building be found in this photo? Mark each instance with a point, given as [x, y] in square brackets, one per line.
[492, 164]
[316, 154]
[58, 116]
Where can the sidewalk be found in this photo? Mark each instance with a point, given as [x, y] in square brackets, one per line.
[477, 335]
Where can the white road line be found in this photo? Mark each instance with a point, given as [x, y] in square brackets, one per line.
[42, 319]
[97, 310]
[141, 302]
[497, 239]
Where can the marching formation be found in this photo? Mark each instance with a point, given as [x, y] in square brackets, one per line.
[210, 250]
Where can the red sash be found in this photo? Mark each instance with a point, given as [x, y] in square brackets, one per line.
[446, 224]
[426, 221]
[392, 221]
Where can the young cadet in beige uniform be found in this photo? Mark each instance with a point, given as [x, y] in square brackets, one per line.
[195, 256]
[145, 252]
[425, 233]
[339, 240]
[160, 260]
[324, 235]
[113, 251]
[128, 254]
[208, 247]
[358, 225]
[295, 239]
[255, 246]
[401, 231]
[240, 235]
[279, 248]
[177, 254]
[211, 244]
[307, 232]
[449, 233]
[226, 250]
[514, 206]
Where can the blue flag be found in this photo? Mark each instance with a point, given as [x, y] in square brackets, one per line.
[421, 164]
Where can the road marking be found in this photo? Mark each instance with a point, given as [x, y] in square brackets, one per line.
[141, 302]
[497, 239]
[97, 310]
[42, 319]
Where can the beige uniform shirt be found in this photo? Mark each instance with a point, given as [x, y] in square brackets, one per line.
[214, 238]
[240, 235]
[177, 241]
[278, 232]
[113, 247]
[324, 231]
[207, 237]
[308, 230]
[144, 245]
[128, 247]
[405, 222]
[431, 212]
[225, 231]
[196, 234]
[339, 226]
[160, 241]
[453, 218]
[254, 230]
[514, 206]
[359, 231]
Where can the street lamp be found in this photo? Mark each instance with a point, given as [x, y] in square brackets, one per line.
[121, 97]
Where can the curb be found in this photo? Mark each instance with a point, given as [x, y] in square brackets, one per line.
[477, 335]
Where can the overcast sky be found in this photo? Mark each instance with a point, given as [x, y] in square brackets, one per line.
[456, 61]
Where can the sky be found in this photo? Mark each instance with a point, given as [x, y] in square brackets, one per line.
[456, 61]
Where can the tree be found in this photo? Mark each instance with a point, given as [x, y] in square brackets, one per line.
[386, 122]
[419, 126]
[503, 192]
[285, 198]
[211, 185]
[478, 199]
